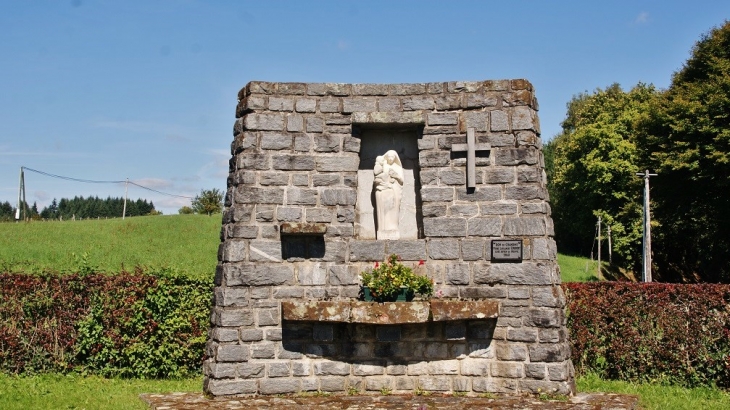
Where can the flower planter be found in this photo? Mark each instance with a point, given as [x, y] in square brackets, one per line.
[405, 295]
[389, 313]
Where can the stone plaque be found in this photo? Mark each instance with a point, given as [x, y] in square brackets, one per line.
[507, 250]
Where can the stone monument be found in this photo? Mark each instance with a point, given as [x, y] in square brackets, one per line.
[316, 174]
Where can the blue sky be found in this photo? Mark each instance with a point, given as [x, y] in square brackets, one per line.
[146, 90]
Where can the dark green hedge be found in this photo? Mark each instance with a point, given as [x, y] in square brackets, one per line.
[128, 324]
[667, 333]
[155, 325]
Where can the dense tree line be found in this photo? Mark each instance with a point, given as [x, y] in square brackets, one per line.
[95, 207]
[681, 133]
[7, 211]
[81, 208]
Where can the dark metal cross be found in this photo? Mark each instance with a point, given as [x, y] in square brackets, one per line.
[471, 147]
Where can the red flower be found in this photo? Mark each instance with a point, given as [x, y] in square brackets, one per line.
[420, 262]
[376, 265]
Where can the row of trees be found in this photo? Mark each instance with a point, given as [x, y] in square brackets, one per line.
[682, 134]
[208, 202]
[82, 208]
[95, 207]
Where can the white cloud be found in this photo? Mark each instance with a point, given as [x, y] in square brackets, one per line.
[170, 131]
[220, 152]
[42, 154]
[41, 195]
[343, 45]
[642, 18]
[154, 183]
[217, 167]
[192, 178]
[175, 203]
[176, 138]
[191, 189]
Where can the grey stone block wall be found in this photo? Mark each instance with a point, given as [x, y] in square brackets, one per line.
[295, 157]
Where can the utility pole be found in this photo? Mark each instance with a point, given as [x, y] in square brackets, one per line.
[647, 226]
[610, 258]
[600, 275]
[124, 210]
[21, 188]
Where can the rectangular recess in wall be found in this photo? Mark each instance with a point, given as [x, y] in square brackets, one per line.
[302, 246]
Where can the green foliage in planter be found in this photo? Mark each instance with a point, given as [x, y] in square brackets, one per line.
[386, 279]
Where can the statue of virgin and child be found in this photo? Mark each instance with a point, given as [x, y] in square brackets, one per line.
[388, 183]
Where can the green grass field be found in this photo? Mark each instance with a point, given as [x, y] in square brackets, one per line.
[187, 243]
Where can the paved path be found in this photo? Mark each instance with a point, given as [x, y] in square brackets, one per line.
[583, 401]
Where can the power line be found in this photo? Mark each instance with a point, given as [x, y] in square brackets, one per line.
[72, 179]
[160, 192]
[90, 181]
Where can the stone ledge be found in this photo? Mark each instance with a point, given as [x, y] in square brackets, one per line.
[303, 228]
[389, 312]
[443, 310]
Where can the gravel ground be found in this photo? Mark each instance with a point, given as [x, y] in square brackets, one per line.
[190, 401]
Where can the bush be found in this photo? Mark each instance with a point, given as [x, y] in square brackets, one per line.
[677, 334]
[129, 324]
[155, 324]
[185, 210]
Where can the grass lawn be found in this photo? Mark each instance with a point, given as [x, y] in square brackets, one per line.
[187, 243]
[652, 396]
[577, 269]
[53, 391]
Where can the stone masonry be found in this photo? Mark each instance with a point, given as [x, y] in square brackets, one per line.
[288, 234]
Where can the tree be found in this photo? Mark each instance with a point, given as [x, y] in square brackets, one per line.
[33, 213]
[51, 211]
[7, 211]
[209, 201]
[687, 141]
[682, 134]
[185, 210]
[592, 166]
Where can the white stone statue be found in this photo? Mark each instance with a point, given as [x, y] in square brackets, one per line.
[388, 184]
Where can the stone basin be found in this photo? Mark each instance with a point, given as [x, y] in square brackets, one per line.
[386, 313]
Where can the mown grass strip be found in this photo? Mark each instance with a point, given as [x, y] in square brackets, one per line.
[54, 391]
[657, 396]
